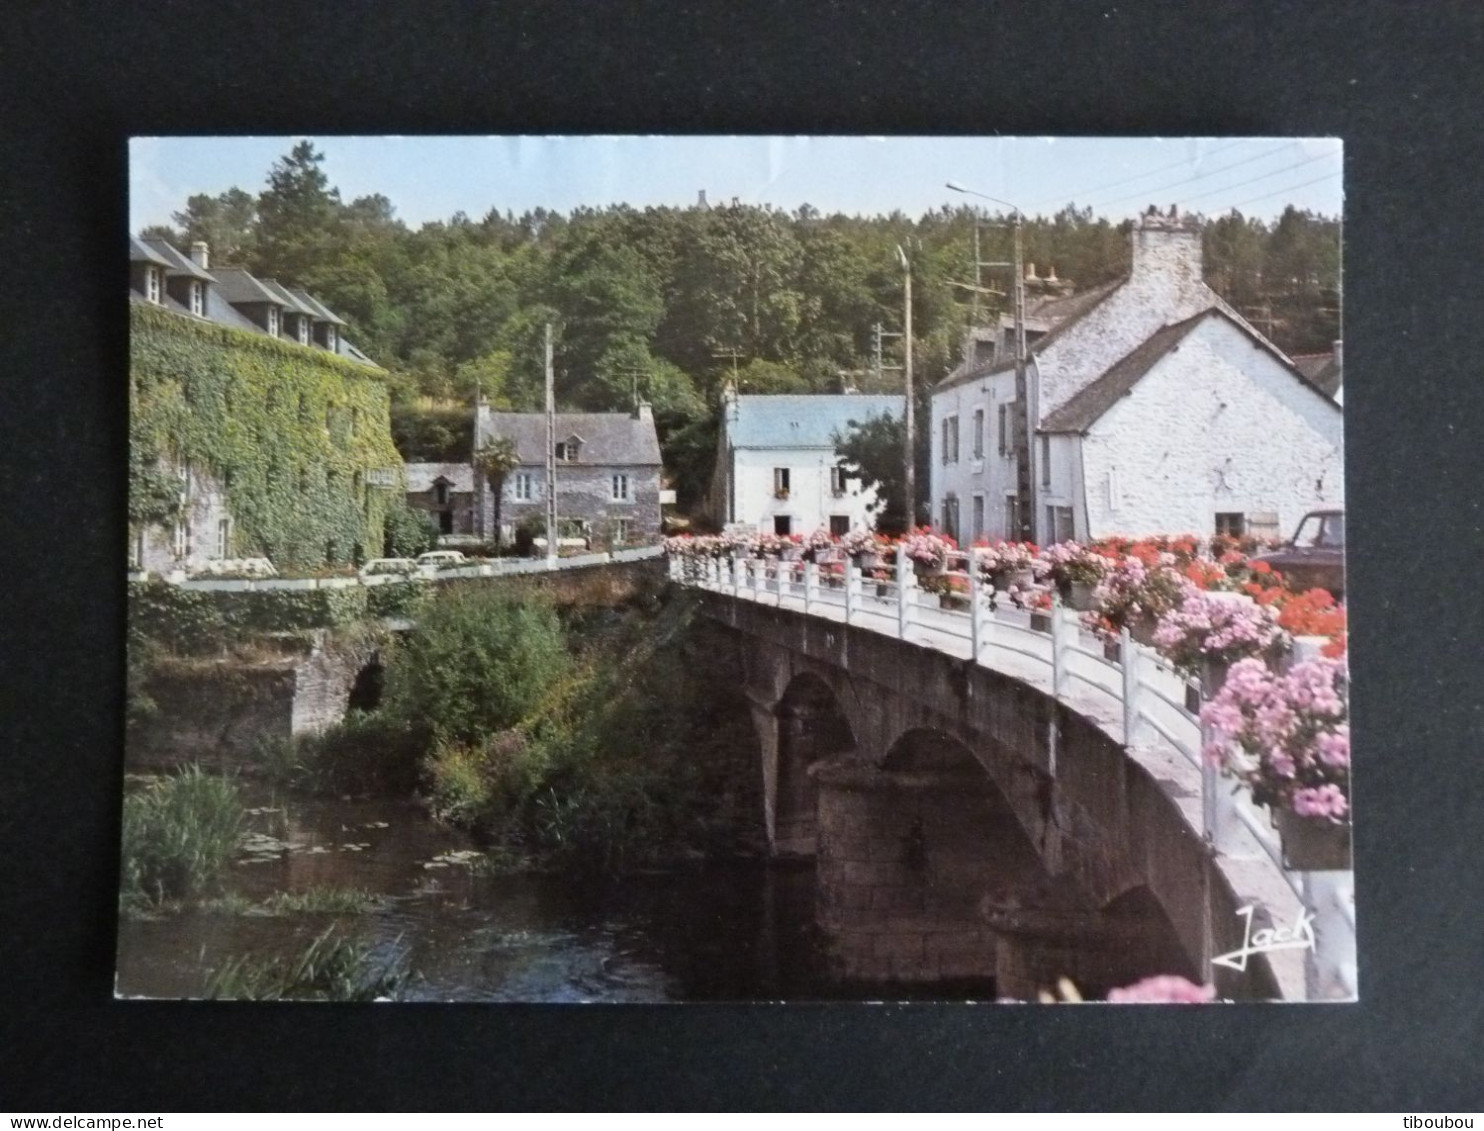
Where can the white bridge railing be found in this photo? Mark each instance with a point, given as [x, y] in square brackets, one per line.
[1128, 689]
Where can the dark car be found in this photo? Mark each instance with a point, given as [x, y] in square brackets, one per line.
[1314, 557]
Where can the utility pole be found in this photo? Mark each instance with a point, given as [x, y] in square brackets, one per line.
[551, 505]
[909, 467]
[1024, 486]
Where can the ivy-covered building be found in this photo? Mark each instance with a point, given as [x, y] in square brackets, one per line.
[256, 428]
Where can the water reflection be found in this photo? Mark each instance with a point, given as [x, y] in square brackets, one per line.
[735, 932]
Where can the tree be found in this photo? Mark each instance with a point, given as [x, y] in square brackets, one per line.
[495, 461]
[298, 217]
[226, 223]
[872, 449]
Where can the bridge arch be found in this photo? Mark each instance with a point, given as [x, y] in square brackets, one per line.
[812, 728]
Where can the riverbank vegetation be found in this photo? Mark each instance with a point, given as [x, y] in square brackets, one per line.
[179, 834]
[331, 968]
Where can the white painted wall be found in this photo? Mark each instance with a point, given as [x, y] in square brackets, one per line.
[1217, 425]
[810, 502]
[993, 475]
[155, 547]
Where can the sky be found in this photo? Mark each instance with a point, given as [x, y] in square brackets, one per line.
[431, 178]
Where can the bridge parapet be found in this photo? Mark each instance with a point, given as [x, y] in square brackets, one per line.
[1041, 701]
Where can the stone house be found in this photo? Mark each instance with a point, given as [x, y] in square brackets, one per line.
[161, 276]
[608, 471]
[445, 493]
[1154, 407]
[777, 470]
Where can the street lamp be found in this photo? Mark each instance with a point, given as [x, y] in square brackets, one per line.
[909, 463]
[1024, 482]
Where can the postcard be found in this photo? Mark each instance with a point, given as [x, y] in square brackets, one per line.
[759, 569]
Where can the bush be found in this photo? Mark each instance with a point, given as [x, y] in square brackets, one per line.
[367, 752]
[409, 532]
[178, 835]
[478, 662]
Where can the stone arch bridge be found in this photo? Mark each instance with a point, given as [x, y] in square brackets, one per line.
[971, 821]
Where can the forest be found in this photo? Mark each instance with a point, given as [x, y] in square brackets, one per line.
[668, 303]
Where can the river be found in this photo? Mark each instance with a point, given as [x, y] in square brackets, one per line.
[739, 931]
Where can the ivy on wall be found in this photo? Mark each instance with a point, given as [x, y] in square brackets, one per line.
[287, 431]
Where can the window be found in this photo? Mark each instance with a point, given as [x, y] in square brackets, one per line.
[950, 439]
[978, 433]
[621, 531]
[224, 538]
[151, 284]
[330, 338]
[273, 320]
[1045, 461]
[1007, 431]
[780, 482]
[182, 539]
[1231, 523]
[837, 480]
[978, 530]
[839, 525]
[522, 487]
[620, 485]
[440, 493]
[303, 330]
[198, 298]
[783, 525]
[568, 450]
[1059, 524]
[1264, 524]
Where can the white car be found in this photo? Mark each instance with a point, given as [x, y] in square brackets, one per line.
[438, 558]
[381, 567]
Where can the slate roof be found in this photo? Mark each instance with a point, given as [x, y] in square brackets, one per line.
[236, 285]
[318, 310]
[292, 302]
[141, 252]
[176, 263]
[1083, 409]
[1064, 312]
[802, 421]
[1323, 369]
[608, 438]
[422, 476]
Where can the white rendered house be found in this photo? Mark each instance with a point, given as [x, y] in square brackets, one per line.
[777, 470]
[1154, 408]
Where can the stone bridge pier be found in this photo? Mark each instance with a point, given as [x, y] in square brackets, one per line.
[966, 826]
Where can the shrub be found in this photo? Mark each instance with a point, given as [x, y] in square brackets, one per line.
[478, 662]
[330, 968]
[367, 752]
[178, 835]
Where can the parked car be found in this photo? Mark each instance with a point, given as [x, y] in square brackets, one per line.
[437, 559]
[1314, 558]
[380, 567]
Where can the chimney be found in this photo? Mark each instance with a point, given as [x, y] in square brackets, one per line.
[201, 255]
[643, 411]
[1030, 273]
[1166, 247]
[1339, 356]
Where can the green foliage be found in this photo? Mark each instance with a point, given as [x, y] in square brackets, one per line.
[401, 600]
[331, 968]
[194, 622]
[478, 661]
[367, 752]
[441, 434]
[409, 531]
[179, 833]
[873, 449]
[289, 432]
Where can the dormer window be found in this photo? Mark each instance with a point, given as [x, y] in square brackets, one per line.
[569, 449]
[152, 284]
[198, 298]
[330, 338]
[273, 321]
[303, 330]
[440, 492]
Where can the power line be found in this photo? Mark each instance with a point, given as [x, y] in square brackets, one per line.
[1196, 177]
[1263, 177]
[1096, 189]
[1289, 188]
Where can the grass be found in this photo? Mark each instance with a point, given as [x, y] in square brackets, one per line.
[179, 833]
[314, 901]
[330, 968]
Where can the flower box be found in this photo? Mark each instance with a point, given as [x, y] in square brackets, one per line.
[1080, 595]
[1312, 844]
